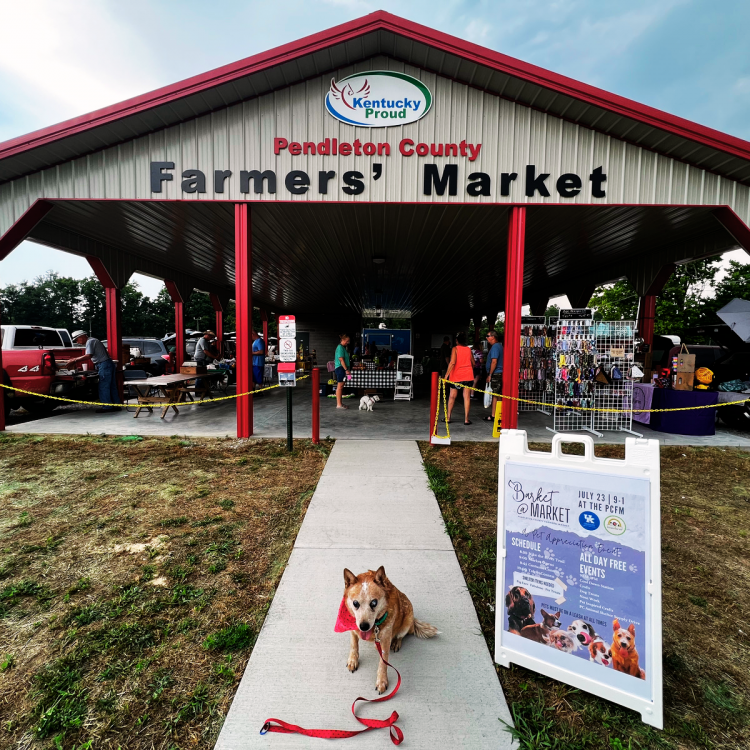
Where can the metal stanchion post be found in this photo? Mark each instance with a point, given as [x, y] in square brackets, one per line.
[316, 406]
[433, 402]
[289, 443]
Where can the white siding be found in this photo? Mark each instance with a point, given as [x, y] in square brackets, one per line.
[512, 136]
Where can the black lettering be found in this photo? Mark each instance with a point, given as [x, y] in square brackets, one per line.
[481, 184]
[193, 181]
[220, 175]
[323, 178]
[448, 180]
[297, 182]
[535, 184]
[258, 178]
[569, 185]
[598, 178]
[354, 182]
[505, 179]
[157, 177]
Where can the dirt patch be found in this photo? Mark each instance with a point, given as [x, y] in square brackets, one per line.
[706, 602]
[134, 579]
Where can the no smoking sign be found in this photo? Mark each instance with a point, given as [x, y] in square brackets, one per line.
[288, 350]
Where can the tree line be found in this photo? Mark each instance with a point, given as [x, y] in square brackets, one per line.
[63, 302]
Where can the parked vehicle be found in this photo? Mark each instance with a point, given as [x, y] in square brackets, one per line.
[154, 350]
[33, 360]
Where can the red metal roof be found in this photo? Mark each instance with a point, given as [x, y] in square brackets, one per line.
[380, 33]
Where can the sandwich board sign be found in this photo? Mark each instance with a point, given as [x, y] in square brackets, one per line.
[579, 568]
[288, 350]
[287, 327]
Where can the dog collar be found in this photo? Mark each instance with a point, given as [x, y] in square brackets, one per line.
[379, 622]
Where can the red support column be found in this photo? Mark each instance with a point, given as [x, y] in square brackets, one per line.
[315, 405]
[433, 402]
[2, 391]
[179, 322]
[513, 304]
[243, 258]
[113, 299]
[219, 311]
[264, 318]
[646, 315]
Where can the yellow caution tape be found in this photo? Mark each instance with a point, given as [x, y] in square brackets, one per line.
[592, 408]
[176, 403]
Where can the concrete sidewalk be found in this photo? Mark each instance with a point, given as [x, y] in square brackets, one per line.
[372, 507]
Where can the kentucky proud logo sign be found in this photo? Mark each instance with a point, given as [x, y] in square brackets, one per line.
[378, 98]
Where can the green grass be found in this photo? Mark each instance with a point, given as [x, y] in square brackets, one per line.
[233, 638]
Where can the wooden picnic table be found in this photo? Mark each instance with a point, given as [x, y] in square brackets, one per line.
[172, 389]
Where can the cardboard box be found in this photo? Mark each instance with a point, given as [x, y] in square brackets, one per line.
[683, 381]
[192, 369]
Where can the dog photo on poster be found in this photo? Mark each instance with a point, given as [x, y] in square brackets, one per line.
[576, 562]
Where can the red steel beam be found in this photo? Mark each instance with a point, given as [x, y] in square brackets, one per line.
[243, 297]
[20, 230]
[264, 318]
[513, 304]
[179, 322]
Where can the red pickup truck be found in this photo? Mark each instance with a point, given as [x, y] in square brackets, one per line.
[34, 358]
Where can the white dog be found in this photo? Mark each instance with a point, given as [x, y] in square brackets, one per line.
[366, 402]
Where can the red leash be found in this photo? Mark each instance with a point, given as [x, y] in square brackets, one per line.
[397, 736]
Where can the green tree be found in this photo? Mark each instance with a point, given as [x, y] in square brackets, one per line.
[735, 284]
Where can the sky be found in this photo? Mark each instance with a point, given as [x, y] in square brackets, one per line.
[62, 59]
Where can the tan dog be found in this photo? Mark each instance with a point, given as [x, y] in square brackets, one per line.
[379, 607]
[624, 655]
[540, 633]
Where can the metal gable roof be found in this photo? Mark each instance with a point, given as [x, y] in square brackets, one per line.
[358, 40]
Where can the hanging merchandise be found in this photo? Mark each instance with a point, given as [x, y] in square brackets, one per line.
[536, 376]
[615, 346]
[575, 370]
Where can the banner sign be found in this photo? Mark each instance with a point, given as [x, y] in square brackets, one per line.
[579, 568]
[533, 320]
[580, 313]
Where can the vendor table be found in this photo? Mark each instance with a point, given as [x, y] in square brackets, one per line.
[381, 379]
[172, 390]
[695, 422]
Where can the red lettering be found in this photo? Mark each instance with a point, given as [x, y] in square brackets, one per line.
[295, 149]
[335, 146]
[462, 146]
[324, 147]
[345, 149]
[308, 147]
[436, 149]
[384, 149]
[451, 149]
[357, 147]
[369, 149]
[279, 144]
[404, 149]
[422, 149]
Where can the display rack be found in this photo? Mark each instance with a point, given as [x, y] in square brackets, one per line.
[575, 364]
[615, 347]
[536, 377]
[404, 390]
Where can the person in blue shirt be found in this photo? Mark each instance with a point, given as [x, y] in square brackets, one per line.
[494, 370]
[259, 360]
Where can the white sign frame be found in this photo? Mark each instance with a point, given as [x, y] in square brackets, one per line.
[641, 461]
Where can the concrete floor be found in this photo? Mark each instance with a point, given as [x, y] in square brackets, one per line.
[390, 420]
[450, 696]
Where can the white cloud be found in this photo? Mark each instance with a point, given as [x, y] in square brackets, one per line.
[66, 59]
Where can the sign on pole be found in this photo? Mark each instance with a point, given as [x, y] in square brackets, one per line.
[579, 568]
[287, 327]
[288, 350]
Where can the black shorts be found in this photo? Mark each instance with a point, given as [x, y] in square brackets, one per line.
[461, 382]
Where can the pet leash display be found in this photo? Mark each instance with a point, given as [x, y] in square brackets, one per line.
[397, 736]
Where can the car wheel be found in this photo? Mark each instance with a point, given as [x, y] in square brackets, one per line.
[41, 408]
[737, 417]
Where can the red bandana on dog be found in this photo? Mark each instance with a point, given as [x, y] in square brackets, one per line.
[345, 622]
